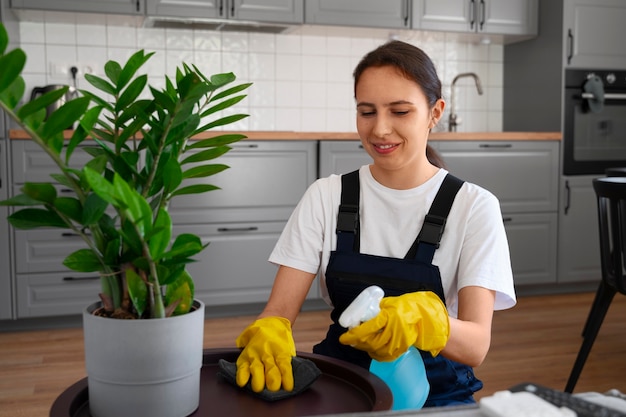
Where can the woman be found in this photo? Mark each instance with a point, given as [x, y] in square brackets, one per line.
[398, 101]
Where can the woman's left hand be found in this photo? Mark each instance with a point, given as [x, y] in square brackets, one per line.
[417, 319]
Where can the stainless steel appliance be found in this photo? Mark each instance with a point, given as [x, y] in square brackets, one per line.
[594, 121]
[69, 95]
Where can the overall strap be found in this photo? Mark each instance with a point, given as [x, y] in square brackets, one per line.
[348, 217]
[423, 249]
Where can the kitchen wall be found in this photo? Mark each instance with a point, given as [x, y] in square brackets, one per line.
[302, 79]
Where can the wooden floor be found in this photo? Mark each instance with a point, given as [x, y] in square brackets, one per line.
[535, 341]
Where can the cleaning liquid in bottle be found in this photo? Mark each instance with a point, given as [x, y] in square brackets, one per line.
[405, 376]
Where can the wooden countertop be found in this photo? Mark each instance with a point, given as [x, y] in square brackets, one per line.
[283, 135]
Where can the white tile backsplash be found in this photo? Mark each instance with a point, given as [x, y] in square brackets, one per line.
[302, 79]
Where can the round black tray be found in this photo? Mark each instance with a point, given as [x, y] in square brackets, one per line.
[342, 388]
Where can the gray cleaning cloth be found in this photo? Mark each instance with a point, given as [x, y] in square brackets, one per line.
[305, 372]
[594, 86]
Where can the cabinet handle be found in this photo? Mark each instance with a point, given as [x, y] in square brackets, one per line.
[92, 278]
[221, 7]
[69, 234]
[232, 8]
[507, 219]
[570, 46]
[567, 197]
[472, 14]
[405, 7]
[246, 146]
[495, 145]
[138, 5]
[482, 13]
[237, 229]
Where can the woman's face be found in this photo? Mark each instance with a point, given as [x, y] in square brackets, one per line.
[394, 118]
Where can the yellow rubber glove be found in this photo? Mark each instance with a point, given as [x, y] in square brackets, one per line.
[268, 348]
[417, 319]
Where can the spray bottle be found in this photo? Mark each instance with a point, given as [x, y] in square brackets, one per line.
[405, 376]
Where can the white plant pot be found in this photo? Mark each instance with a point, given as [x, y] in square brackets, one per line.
[143, 367]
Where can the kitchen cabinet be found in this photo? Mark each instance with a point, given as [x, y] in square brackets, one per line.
[44, 287]
[244, 218]
[242, 221]
[510, 17]
[524, 177]
[594, 33]
[522, 174]
[579, 243]
[365, 13]
[129, 7]
[276, 11]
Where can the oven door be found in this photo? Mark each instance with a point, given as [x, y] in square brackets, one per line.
[593, 141]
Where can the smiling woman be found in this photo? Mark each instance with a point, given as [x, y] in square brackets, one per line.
[441, 294]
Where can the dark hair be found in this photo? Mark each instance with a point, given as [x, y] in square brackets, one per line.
[410, 60]
[415, 65]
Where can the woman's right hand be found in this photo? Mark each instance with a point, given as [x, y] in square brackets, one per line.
[265, 360]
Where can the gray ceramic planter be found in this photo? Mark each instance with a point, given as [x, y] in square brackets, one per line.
[144, 367]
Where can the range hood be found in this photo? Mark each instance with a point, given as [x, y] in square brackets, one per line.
[224, 25]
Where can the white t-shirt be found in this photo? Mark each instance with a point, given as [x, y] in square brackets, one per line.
[474, 250]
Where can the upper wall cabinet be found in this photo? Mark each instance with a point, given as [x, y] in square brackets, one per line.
[507, 17]
[277, 11]
[594, 33]
[90, 6]
[366, 13]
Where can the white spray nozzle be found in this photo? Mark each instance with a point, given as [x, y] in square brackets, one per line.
[365, 306]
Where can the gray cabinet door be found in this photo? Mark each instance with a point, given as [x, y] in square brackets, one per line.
[341, 157]
[522, 174]
[366, 13]
[533, 247]
[510, 17]
[96, 6]
[278, 11]
[594, 33]
[6, 299]
[579, 247]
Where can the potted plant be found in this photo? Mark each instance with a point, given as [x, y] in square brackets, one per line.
[141, 157]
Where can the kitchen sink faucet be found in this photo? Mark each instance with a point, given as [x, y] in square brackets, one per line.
[453, 118]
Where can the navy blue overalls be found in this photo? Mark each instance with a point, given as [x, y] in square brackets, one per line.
[350, 272]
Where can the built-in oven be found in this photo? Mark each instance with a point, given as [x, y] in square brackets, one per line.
[594, 121]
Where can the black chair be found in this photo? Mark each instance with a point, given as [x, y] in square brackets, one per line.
[611, 196]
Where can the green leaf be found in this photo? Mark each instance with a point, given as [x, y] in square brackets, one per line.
[100, 186]
[204, 171]
[222, 122]
[112, 250]
[130, 68]
[172, 175]
[195, 189]
[138, 291]
[101, 84]
[41, 102]
[184, 246]
[83, 260]
[85, 125]
[4, 39]
[112, 69]
[230, 91]
[20, 200]
[12, 65]
[222, 105]
[220, 80]
[220, 140]
[12, 95]
[161, 240]
[131, 93]
[181, 290]
[206, 155]
[64, 117]
[135, 207]
[32, 218]
[93, 209]
[70, 207]
[44, 192]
